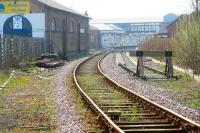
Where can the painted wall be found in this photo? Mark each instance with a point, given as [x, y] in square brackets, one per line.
[113, 39]
[38, 25]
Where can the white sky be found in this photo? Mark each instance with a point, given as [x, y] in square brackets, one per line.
[98, 9]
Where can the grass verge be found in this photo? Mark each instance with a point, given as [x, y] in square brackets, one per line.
[184, 90]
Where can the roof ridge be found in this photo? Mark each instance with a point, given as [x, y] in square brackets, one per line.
[56, 5]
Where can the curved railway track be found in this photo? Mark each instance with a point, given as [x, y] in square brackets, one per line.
[122, 111]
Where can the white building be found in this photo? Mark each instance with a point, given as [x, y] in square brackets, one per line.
[138, 29]
[111, 35]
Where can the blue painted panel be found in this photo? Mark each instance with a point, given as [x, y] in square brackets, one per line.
[26, 30]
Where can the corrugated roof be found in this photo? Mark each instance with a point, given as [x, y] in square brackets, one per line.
[54, 4]
[128, 20]
[92, 27]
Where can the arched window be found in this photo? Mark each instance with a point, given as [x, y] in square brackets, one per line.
[72, 26]
[64, 25]
[53, 24]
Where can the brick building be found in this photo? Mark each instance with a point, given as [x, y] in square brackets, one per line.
[94, 38]
[66, 31]
[172, 27]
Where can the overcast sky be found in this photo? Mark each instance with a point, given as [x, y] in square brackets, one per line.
[98, 9]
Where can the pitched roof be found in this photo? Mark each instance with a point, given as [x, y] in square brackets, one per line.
[56, 5]
[177, 20]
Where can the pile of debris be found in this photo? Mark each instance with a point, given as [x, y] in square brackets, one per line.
[49, 61]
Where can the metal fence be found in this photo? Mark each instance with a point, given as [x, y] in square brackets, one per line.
[17, 49]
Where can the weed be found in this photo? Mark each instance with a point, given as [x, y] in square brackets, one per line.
[17, 83]
[95, 130]
[98, 83]
[1, 105]
[130, 116]
[134, 111]
[31, 103]
[187, 91]
[28, 66]
[89, 117]
[3, 77]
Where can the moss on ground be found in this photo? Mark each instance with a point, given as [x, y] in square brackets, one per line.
[30, 100]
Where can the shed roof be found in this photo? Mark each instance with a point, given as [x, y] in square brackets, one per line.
[108, 28]
[56, 5]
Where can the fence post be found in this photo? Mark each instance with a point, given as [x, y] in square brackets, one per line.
[1, 40]
[12, 56]
[3, 52]
[42, 46]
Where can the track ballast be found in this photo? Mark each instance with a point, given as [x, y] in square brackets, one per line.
[121, 110]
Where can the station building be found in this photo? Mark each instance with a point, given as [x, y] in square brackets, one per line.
[138, 30]
[111, 35]
[64, 30]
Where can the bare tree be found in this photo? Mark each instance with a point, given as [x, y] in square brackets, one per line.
[187, 42]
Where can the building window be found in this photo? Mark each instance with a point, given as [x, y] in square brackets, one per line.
[72, 26]
[53, 25]
[64, 26]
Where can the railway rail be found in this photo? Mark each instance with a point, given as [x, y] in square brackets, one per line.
[151, 73]
[122, 111]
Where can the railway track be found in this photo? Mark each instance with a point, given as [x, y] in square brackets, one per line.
[121, 111]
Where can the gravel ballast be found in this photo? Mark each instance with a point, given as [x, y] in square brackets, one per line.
[69, 121]
[161, 96]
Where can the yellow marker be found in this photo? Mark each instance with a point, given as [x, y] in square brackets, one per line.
[14, 6]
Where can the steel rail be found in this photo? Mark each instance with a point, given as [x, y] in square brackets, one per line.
[187, 124]
[105, 119]
[159, 72]
[169, 115]
[148, 68]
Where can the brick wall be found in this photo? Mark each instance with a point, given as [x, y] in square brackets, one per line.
[94, 39]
